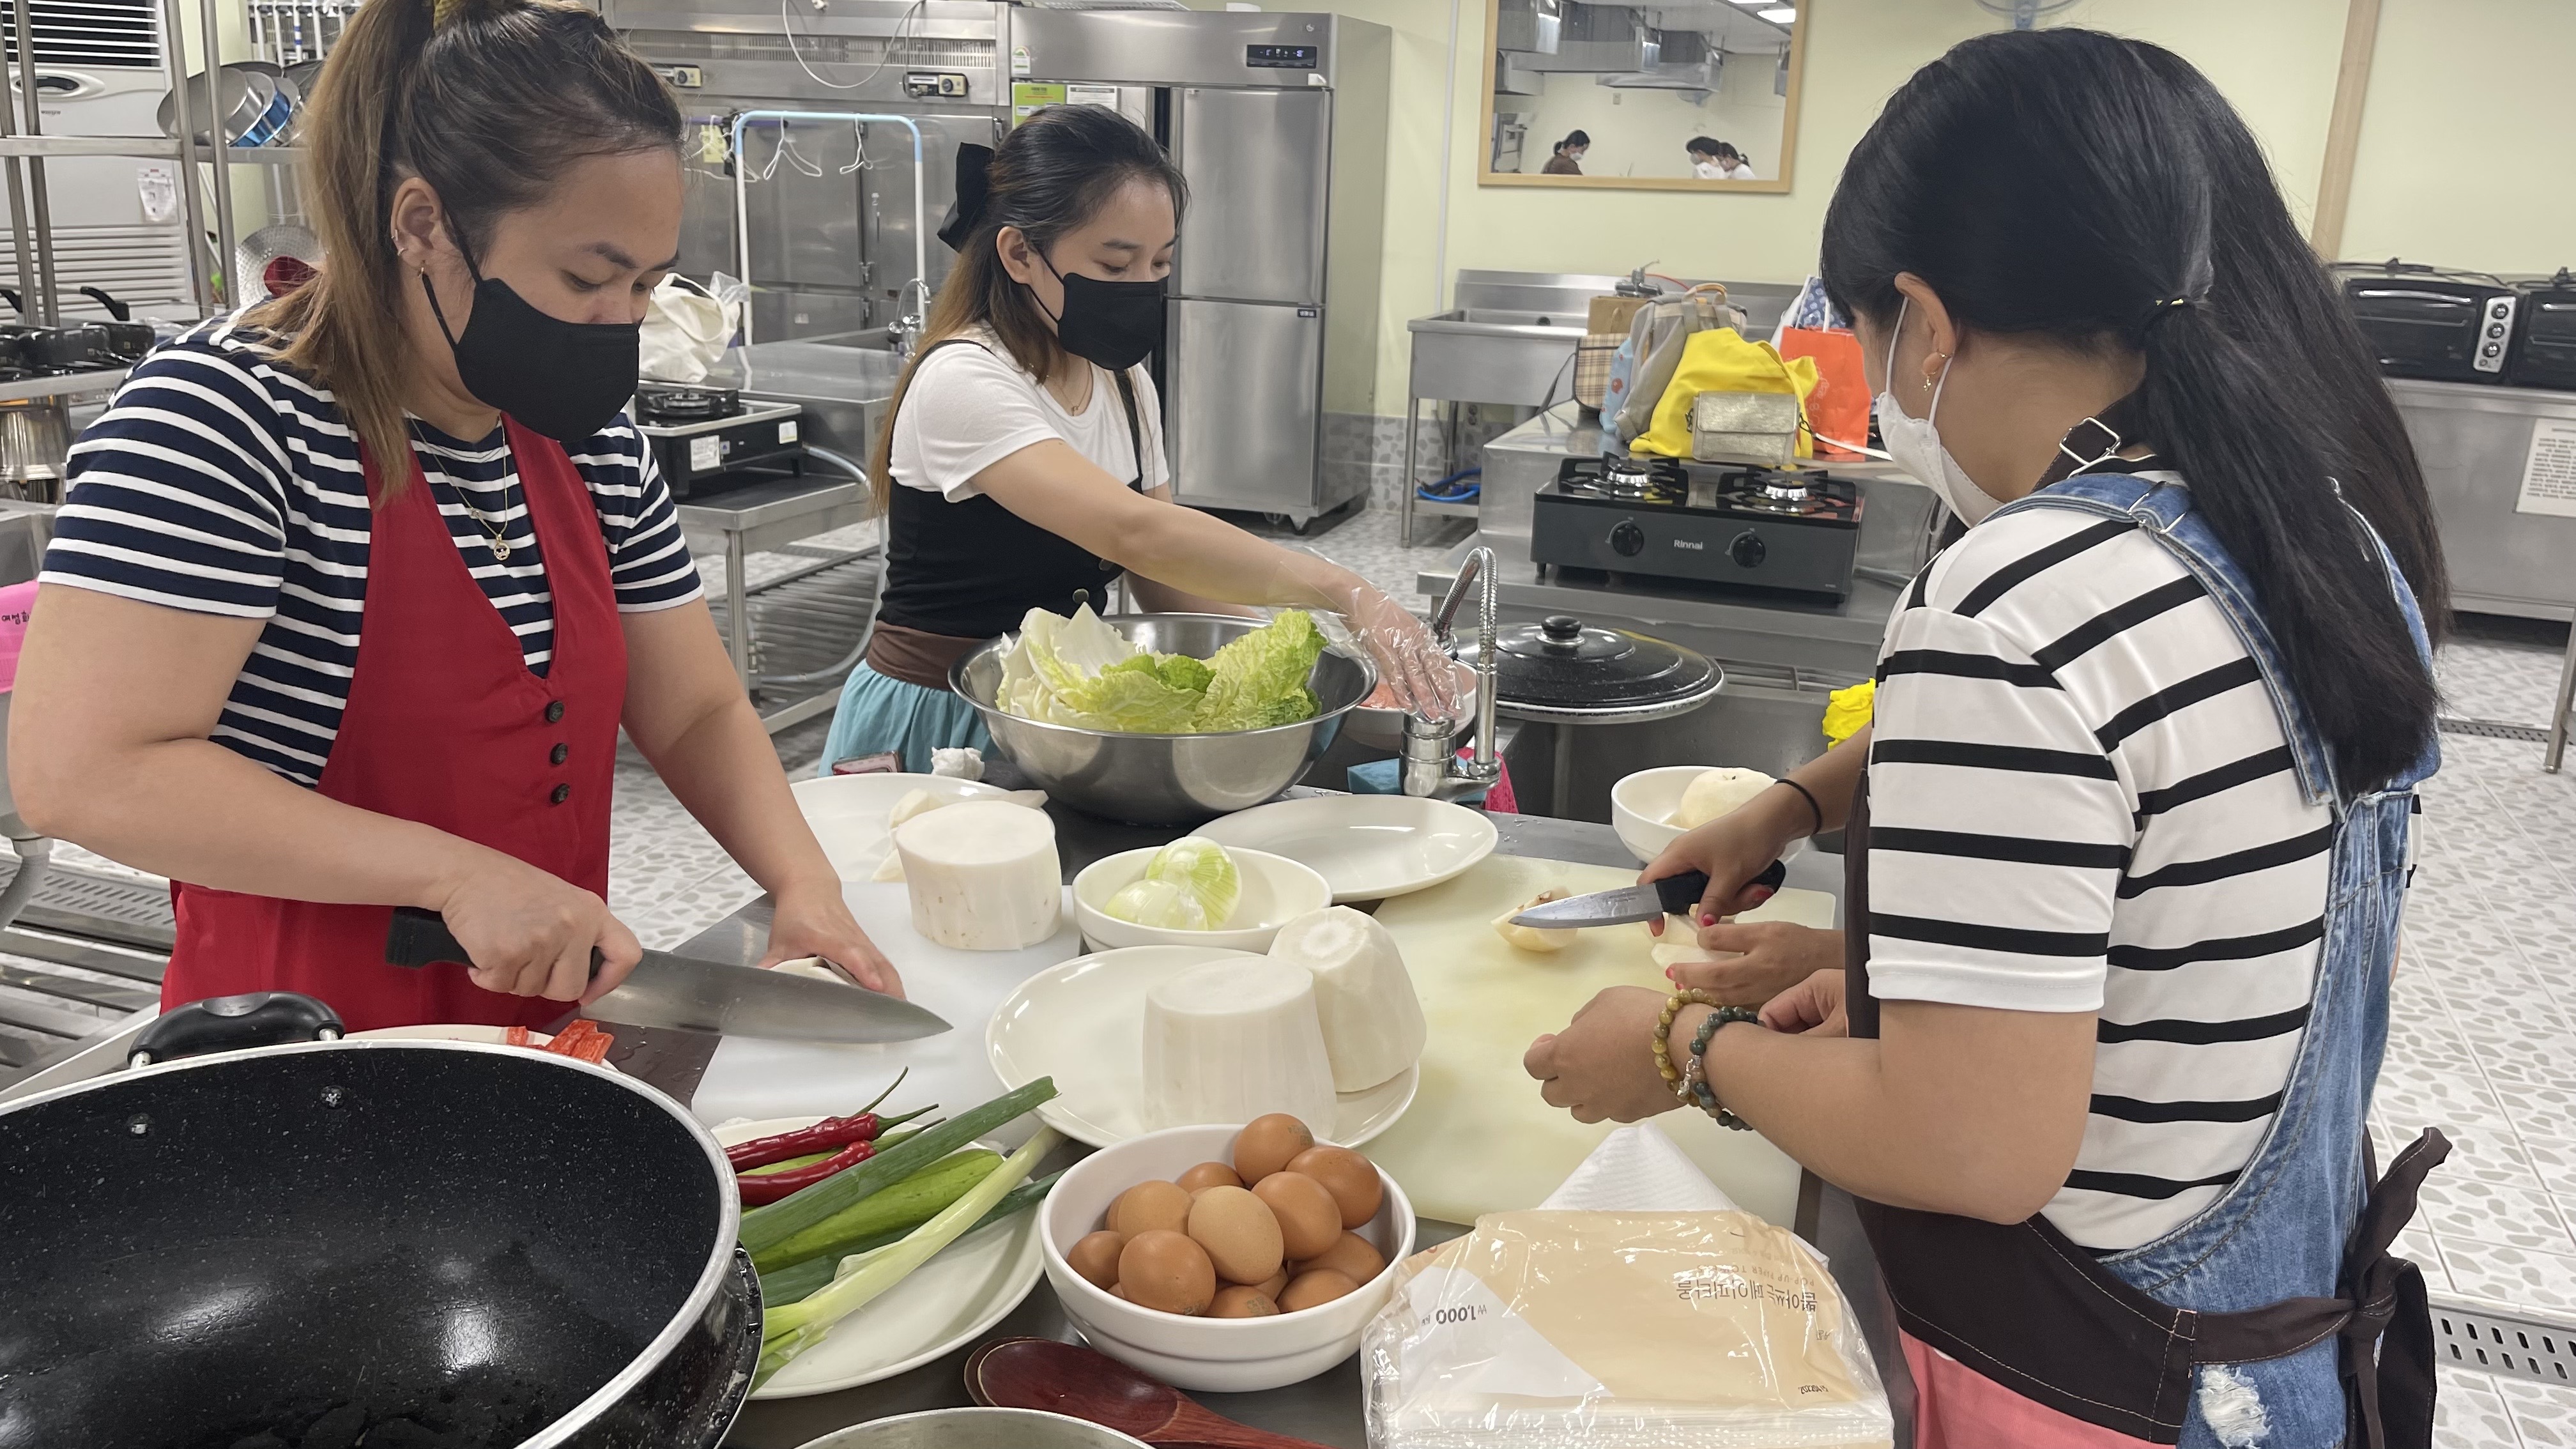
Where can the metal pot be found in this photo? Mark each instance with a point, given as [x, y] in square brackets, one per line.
[35, 445]
[498, 1245]
[976, 1429]
[254, 106]
[1164, 779]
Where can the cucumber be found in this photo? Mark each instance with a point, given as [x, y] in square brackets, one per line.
[897, 1210]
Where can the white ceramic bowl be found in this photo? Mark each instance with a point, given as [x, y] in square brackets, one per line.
[1641, 803]
[1212, 1355]
[1276, 890]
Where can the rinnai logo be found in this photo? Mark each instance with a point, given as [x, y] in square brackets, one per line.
[1694, 545]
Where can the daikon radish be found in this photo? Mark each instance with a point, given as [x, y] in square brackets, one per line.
[983, 875]
[1533, 938]
[1235, 1039]
[890, 868]
[1373, 1025]
[1716, 792]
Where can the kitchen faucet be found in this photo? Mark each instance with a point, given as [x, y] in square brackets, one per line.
[1431, 767]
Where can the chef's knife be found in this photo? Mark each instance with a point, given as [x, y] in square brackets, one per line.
[1674, 895]
[681, 991]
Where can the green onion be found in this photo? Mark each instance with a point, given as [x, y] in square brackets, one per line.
[897, 1210]
[767, 1227]
[796, 1280]
[792, 1328]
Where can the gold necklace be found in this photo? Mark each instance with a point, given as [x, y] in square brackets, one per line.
[500, 543]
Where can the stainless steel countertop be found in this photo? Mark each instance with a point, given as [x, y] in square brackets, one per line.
[1325, 1409]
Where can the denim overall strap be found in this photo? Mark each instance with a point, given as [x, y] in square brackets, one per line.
[2286, 1229]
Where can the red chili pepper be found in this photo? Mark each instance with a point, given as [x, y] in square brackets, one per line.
[762, 1188]
[831, 1132]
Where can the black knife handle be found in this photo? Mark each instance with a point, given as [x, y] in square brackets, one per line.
[418, 937]
[1682, 893]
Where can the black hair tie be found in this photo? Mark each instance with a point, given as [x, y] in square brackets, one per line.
[967, 211]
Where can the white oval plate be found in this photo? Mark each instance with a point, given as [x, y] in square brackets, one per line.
[1367, 847]
[946, 1304]
[460, 1031]
[1083, 1023]
[848, 813]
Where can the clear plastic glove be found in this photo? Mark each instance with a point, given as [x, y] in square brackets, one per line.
[1414, 666]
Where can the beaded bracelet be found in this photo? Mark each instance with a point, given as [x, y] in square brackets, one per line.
[1663, 1039]
[1695, 1080]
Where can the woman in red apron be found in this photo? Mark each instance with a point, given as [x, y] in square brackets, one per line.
[2130, 847]
[355, 589]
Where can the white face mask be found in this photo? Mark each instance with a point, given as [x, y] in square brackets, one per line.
[1915, 445]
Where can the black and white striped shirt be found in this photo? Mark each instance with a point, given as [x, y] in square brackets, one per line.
[2082, 800]
[220, 483]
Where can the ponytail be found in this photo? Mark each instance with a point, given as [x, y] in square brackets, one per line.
[489, 101]
[2070, 185]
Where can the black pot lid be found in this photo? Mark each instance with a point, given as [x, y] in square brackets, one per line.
[1564, 669]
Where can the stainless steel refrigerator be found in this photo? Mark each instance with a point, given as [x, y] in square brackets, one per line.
[1280, 124]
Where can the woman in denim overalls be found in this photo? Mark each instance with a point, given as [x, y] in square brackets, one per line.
[2102, 280]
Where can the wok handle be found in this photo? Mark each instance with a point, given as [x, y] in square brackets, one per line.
[1680, 893]
[231, 1023]
[418, 937]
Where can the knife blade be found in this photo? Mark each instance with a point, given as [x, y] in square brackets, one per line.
[667, 990]
[1674, 895]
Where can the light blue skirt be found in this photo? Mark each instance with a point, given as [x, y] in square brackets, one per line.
[877, 714]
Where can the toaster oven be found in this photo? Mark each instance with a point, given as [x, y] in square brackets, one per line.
[2544, 346]
[2428, 322]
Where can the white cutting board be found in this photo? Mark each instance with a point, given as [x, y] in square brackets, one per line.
[1478, 1138]
[749, 1077]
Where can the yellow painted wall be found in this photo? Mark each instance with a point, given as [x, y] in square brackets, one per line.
[2276, 59]
[2464, 139]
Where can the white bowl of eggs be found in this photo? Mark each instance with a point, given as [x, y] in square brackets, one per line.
[1179, 1218]
[1653, 808]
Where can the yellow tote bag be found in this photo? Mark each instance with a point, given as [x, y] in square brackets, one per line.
[1720, 360]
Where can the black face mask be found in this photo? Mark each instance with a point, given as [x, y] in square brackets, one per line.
[1115, 324]
[565, 380]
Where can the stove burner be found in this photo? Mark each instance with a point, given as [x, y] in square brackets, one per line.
[1636, 480]
[671, 403]
[1785, 494]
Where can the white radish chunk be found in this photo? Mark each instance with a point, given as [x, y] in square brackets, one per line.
[1373, 1025]
[1233, 1040]
[983, 875]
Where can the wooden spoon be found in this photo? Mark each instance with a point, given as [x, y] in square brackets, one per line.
[1064, 1378]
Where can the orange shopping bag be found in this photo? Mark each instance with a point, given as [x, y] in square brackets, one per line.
[1839, 407]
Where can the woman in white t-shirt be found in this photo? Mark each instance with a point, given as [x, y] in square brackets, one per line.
[1022, 466]
[1715, 160]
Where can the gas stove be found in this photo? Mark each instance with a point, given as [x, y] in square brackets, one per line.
[1791, 530]
[706, 438]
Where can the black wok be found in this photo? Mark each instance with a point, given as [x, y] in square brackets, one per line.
[430, 1243]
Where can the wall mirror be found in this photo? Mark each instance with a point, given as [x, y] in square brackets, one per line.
[1699, 95]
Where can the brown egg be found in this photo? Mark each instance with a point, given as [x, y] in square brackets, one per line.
[1238, 1231]
[1096, 1258]
[1266, 1143]
[1242, 1302]
[1277, 1285]
[1323, 1285]
[1349, 1177]
[1150, 1207]
[1352, 1256]
[1208, 1174]
[1166, 1271]
[1309, 1219]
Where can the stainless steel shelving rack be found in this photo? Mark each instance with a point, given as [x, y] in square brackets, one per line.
[24, 149]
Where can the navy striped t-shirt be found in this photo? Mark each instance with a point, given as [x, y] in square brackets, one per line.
[219, 482]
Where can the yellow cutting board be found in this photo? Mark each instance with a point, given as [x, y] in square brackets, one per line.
[1478, 1139]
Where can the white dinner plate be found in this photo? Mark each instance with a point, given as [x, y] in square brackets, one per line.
[458, 1031]
[945, 1304]
[848, 813]
[1083, 1023]
[1367, 847]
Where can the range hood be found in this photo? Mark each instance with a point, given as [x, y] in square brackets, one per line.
[1527, 25]
[1684, 62]
[1599, 40]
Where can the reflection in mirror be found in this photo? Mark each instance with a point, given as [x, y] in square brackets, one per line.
[1689, 95]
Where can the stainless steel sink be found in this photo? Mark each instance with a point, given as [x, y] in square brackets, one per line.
[1489, 355]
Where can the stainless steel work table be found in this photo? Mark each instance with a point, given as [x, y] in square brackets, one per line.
[1325, 1409]
[763, 517]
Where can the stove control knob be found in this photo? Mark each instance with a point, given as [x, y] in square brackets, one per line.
[1627, 539]
[1748, 550]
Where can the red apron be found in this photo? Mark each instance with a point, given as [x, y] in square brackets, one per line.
[445, 725]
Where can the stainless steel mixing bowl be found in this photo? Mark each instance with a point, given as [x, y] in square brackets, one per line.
[1164, 779]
